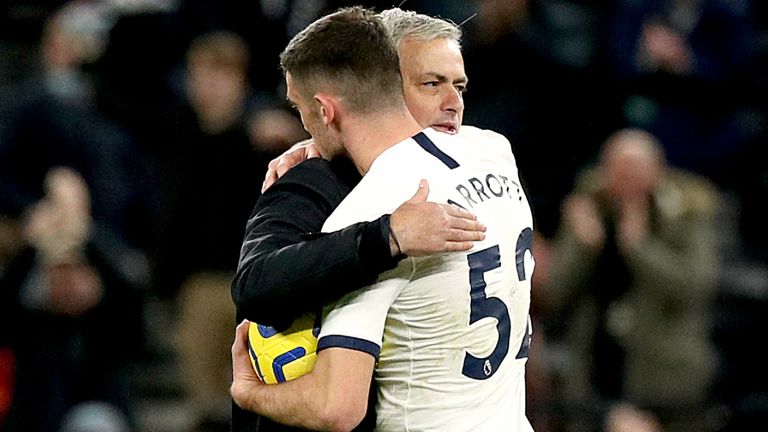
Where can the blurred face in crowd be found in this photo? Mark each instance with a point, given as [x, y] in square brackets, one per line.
[433, 82]
[216, 91]
[631, 165]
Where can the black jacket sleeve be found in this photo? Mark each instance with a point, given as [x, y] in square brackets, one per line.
[287, 267]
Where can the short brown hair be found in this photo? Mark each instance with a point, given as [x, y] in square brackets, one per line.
[351, 52]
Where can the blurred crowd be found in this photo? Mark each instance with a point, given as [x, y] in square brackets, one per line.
[134, 137]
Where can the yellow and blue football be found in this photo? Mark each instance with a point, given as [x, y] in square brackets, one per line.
[280, 355]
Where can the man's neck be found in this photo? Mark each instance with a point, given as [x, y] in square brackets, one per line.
[370, 136]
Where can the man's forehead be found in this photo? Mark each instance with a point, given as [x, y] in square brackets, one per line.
[436, 54]
[437, 44]
[437, 71]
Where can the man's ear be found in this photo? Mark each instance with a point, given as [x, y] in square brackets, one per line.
[327, 108]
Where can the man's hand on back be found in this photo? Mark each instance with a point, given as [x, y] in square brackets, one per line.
[422, 228]
[278, 166]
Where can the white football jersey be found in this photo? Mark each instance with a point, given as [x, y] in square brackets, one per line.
[451, 331]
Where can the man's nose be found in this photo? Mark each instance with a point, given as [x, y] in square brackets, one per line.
[453, 100]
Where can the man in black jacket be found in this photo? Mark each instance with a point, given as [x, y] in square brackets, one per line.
[434, 80]
[288, 268]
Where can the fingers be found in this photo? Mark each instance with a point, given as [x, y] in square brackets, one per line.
[302, 143]
[424, 228]
[312, 152]
[457, 240]
[243, 374]
[278, 166]
[241, 360]
[463, 230]
[459, 246]
[241, 337]
[269, 180]
[458, 212]
[421, 193]
[293, 158]
[271, 176]
[465, 224]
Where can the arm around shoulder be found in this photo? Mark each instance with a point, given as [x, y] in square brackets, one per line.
[286, 267]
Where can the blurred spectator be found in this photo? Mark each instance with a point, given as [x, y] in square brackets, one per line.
[52, 119]
[21, 22]
[693, 74]
[68, 201]
[685, 66]
[265, 25]
[74, 316]
[553, 99]
[273, 130]
[214, 178]
[632, 276]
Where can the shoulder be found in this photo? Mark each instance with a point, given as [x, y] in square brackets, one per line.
[307, 171]
[485, 136]
[311, 186]
[485, 141]
[314, 176]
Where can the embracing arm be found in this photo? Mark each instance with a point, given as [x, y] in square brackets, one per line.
[331, 397]
[285, 262]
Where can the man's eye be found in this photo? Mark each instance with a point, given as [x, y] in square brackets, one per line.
[432, 83]
[461, 88]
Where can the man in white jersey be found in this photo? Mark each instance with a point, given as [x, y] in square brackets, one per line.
[456, 333]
